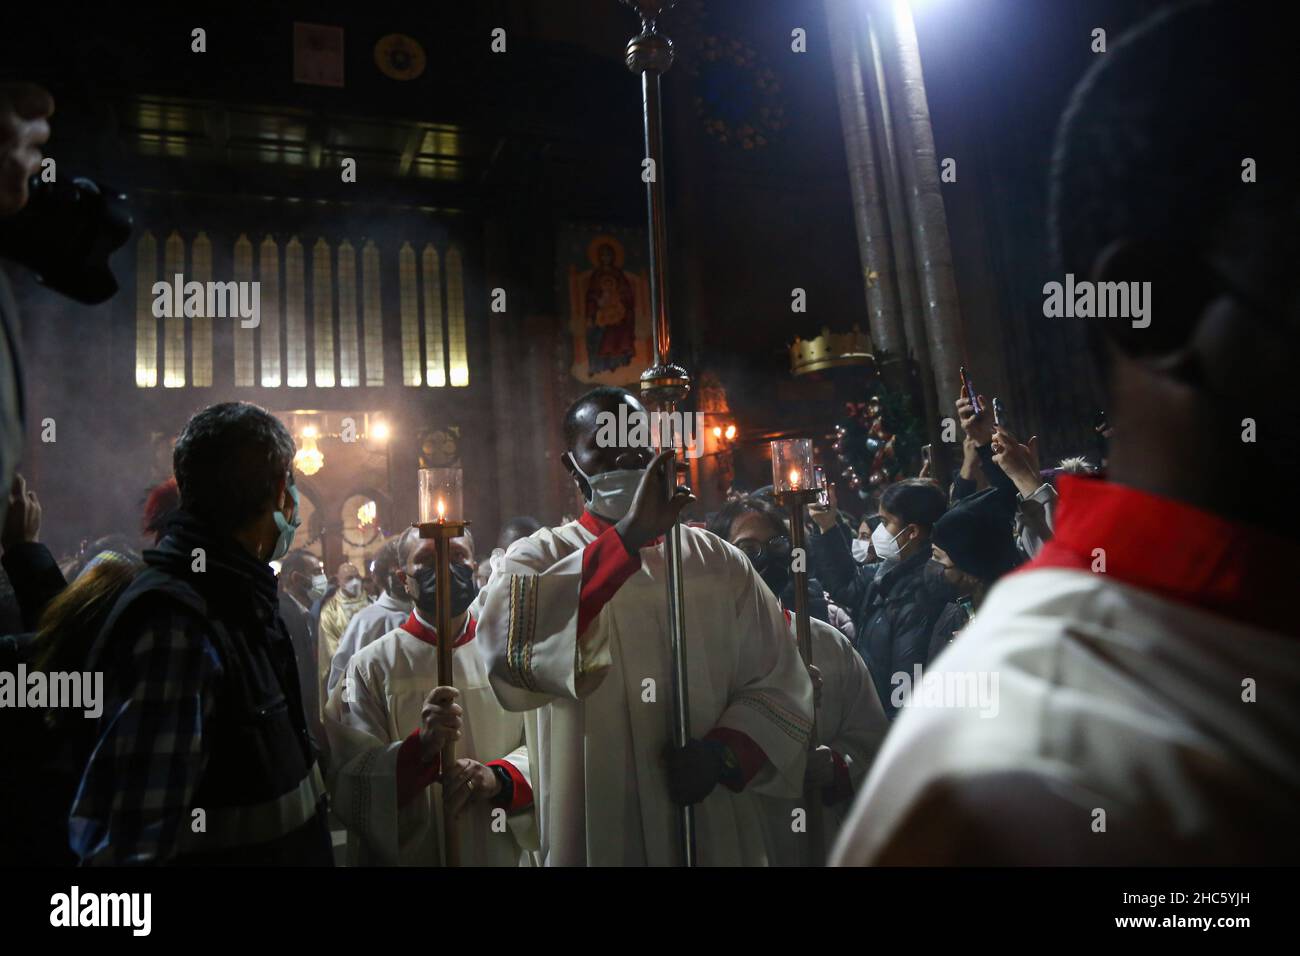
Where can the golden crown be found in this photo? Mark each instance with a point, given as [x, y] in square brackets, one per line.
[831, 350]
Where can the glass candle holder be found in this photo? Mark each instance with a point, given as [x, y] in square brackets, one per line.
[792, 465]
[441, 495]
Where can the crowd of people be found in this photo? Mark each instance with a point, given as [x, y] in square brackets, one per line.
[1092, 662]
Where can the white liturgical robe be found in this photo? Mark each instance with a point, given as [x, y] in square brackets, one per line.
[851, 722]
[367, 626]
[605, 695]
[370, 715]
[1133, 697]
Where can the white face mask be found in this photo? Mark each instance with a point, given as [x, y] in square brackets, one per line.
[319, 583]
[886, 545]
[611, 491]
[352, 587]
[860, 548]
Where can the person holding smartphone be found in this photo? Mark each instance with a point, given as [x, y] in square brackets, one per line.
[1133, 653]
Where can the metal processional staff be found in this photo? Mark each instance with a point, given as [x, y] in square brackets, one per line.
[664, 385]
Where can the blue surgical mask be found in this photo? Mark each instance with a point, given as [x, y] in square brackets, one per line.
[287, 528]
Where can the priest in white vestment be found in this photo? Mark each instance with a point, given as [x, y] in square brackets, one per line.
[1086, 717]
[390, 610]
[574, 622]
[383, 773]
[851, 723]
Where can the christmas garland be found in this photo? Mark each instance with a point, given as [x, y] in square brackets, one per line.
[876, 441]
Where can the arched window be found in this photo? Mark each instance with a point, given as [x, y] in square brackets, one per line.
[269, 329]
[201, 325]
[347, 285]
[146, 325]
[295, 315]
[323, 313]
[174, 327]
[245, 367]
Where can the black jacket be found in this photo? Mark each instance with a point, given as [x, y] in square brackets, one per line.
[261, 788]
[35, 577]
[894, 608]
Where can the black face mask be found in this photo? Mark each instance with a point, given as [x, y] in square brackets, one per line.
[771, 559]
[463, 590]
[775, 574]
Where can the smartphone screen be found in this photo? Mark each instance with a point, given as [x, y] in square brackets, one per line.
[997, 412]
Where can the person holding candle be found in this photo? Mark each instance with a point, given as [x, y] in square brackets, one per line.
[387, 720]
[574, 625]
[850, 721]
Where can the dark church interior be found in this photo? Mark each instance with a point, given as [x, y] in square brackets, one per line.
[316, 317]
[503, 169]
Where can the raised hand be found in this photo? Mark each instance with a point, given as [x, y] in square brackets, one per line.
[22, 521]
[654, 509]
[978, 427]
[826, 516]
[1020, 462]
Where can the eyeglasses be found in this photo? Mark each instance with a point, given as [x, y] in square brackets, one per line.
[778, 547]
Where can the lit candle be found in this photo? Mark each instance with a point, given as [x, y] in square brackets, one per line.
[794, 478]
[442, 510]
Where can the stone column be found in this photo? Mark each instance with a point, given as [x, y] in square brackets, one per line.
[918, 165]
[875, 245]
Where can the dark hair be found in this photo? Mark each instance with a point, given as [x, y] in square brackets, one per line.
[600, 395]
[917, 501]
[1151, 145]
[228, 462]
[386, 562]
[720, 524]
[520, 526]
[298, 560]
[408, 542]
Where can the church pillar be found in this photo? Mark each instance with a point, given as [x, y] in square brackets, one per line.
[903, 241]
[918, 165]
[884, 316]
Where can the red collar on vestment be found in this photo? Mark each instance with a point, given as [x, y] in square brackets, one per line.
[415, 627]
[1173, 549]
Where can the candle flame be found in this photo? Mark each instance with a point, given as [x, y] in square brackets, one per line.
[442, 509]
[794, 477]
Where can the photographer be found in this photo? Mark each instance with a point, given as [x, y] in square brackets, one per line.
[24, 126]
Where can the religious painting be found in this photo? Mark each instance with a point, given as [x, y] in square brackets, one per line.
[317, 54]
[607, 275]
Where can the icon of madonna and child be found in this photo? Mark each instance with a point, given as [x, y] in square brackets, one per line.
[610, 316]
